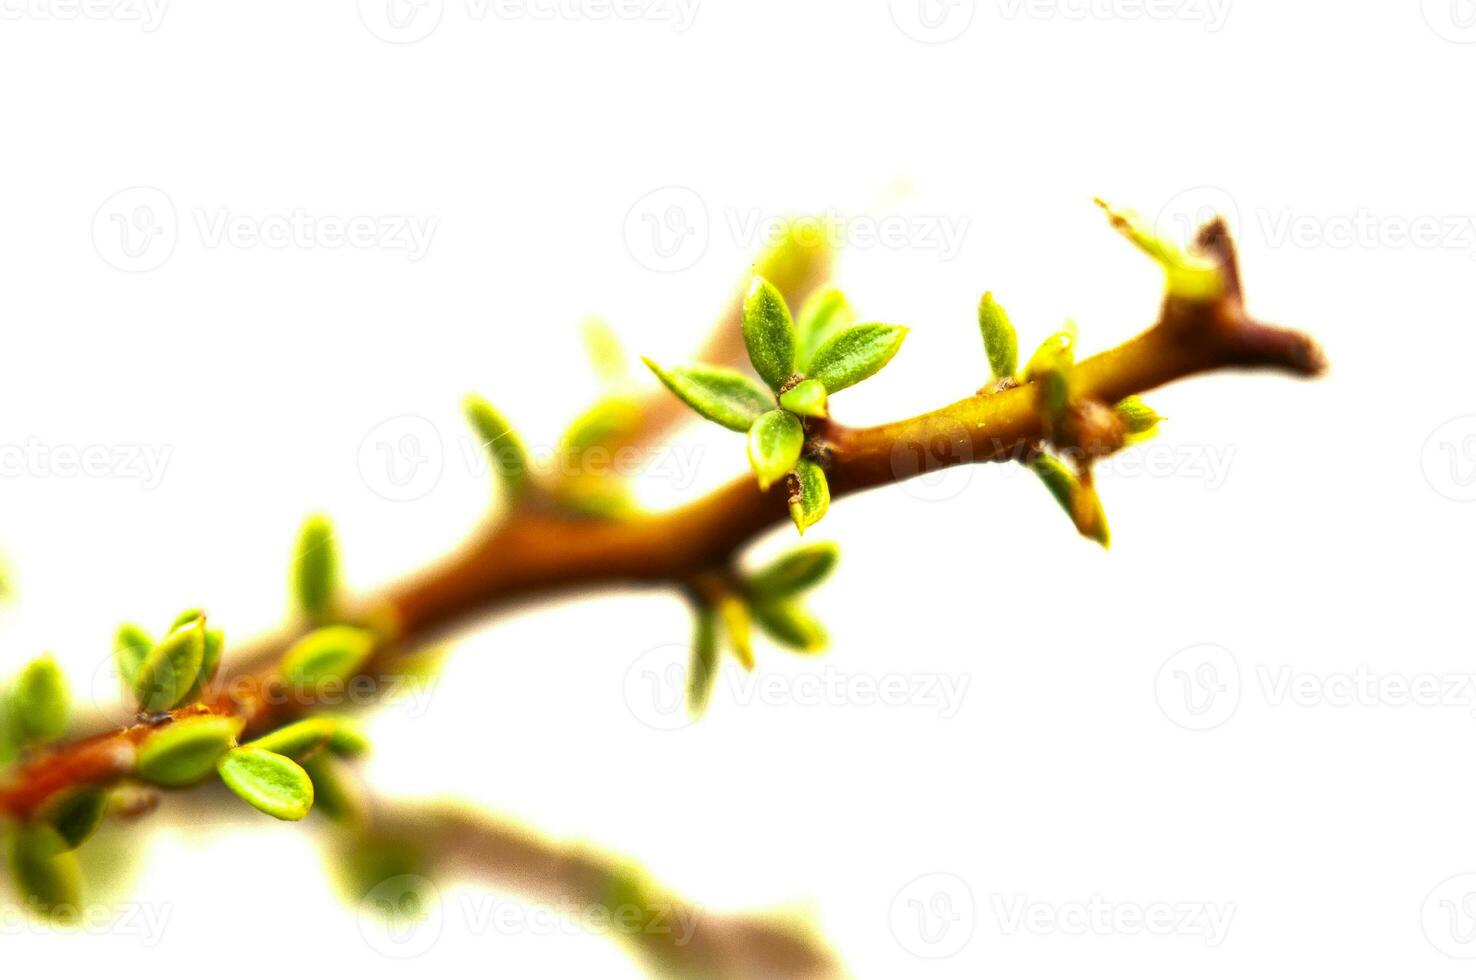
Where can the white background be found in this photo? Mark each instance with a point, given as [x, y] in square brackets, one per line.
[1308, 531]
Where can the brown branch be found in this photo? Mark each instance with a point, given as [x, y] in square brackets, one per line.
[537, 550]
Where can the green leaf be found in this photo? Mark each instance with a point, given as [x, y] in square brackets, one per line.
[717, 394]
[335, 793]
[506, 451]
[170, 671]
[131, 645]
[788, 624]
[1050, 368]
[823, 314]
[272, 783]
[9, 732]
[47, 876]
[1137, 418]
[302, 739]
[1186, 276]
[315, 569]
[188, 616]
[1080, 503]
[1000, 342]
[801, 569]
[734, 612]
[806, 398]
[41, 700]
[606, 353]
[702, 675]
[774, 445]
[185, 751]
[855, 354]
[768, 333]
[606, 419]
[332, 653]
[75, 814]
[809, 495]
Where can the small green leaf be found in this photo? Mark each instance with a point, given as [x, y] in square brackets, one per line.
[506, 451]
[315, 569]
[188, 616]
[734, 612]
[304, 738]
[130, 647]
[855, 354]
[774, 445]
[75, 814]
[717, 394]
[184, 752]
[702, 675]
[1186, 276]
[809, 494]
[335, 793]
[47, 876]
[768, 333]
[806, 398]
[606, 353]
[1138, 419]
[823, 314]
[272, 783]
[170, 671]
[604, 421]
[1050, 368]
[788, 624]
[41, 700]
[332, 653]
[801, 569]
[1000, 342]
[1080, 503]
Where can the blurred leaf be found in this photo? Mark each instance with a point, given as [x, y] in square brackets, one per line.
[1000, 342]
[1080, 504]
[702, 674]
[606, 353]
[1186, 276]
[803, 568]
[799, 256]
[75, 814]
[787, 623]
[336, 795]
[315, 565]
[806, 398]
[601, 424]
[9, 731]
[46, 873]
[855, 354]
[825, 313]
[1050, 368]
[169, 672]
[768, 333]
[735, 624]
[331, 653]
[272, 783]
[188, 616]
[1139, 421]
[774, 444]
[809, 495]
[303, 738]
[717, 394]
[506, 451]
[185, 751]
[41, 700]
[131, 645]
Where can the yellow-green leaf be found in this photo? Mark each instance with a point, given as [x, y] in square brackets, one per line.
[41, 700]
[1138, 420]
[170, 671]
[702, 674]
[272, 783]
[803, 568]
[855, 354]
[824, 313]
[717, 394]
[304, 738]
[1000, 342]
[768, 333]
[75, 814]
[1080, 503]
[787, 623]
[47, 877]
[131, 645]
[809, 495]
[734, 612]
[315, 569]
[506, 451]
[774, 444]
[332, 653]
[1186, 276]
[184, 752]
[806, 398]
